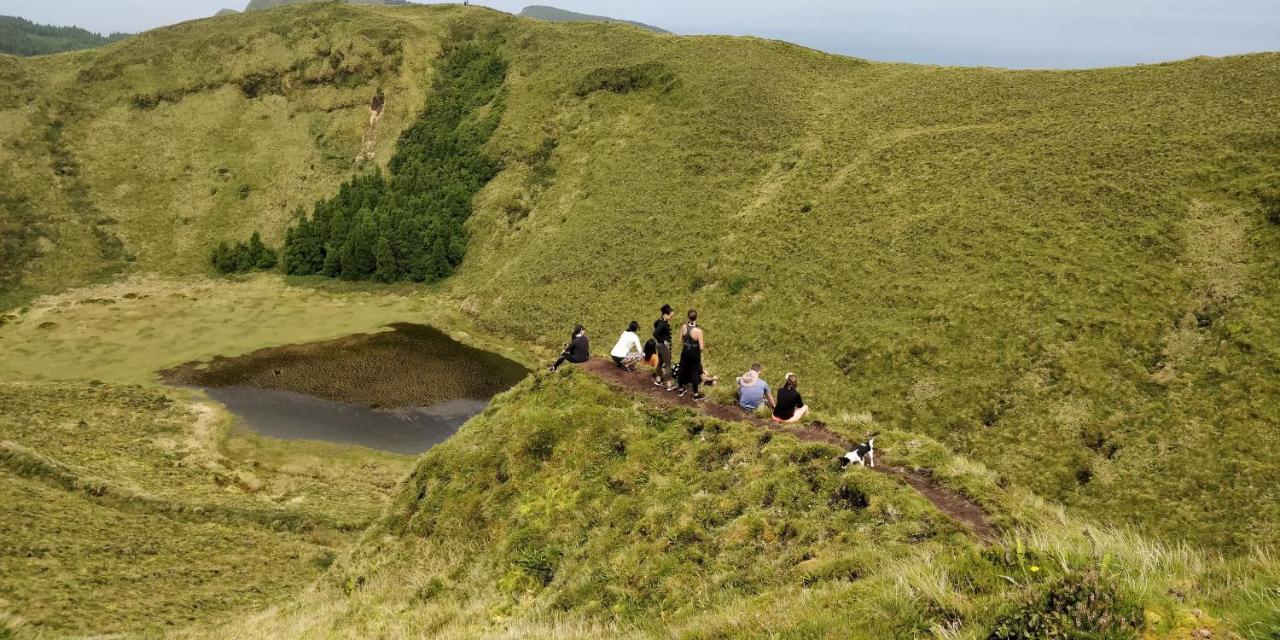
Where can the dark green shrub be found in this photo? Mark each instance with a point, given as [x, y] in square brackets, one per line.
[1077, 607]
[539, 564]
[242, 257]
[737, 285]
[1270, 200]
[626, 79]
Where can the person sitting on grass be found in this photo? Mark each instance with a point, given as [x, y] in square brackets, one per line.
[789, 407]
[628, 351]
[577, 351]
[753, 390]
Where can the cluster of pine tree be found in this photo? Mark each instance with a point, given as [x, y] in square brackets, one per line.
[409, 226]
[242, 258]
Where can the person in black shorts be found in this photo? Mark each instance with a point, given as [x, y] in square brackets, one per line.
[790, 407]
[692, 345]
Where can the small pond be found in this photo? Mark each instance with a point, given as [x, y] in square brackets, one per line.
[403, 390]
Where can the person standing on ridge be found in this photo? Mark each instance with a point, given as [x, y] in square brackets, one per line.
[577, 351]
[662, 342]
[692, 345]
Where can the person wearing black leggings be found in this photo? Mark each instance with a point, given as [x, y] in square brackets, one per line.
[692, 345]
[577, 351]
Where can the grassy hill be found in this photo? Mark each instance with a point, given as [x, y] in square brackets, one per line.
[1066, 277]
[552, 14]
[23, 37]
[259, 5]
[571, 511]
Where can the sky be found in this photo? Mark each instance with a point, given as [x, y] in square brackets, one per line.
[1003, 33]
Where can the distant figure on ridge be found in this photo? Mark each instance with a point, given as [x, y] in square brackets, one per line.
[753, 390]
[662, 343]
[577, 351]
[789, 407]
[628, 351]
[692, 345]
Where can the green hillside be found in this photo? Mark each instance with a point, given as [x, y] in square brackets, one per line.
[258, 5]
[552, 14]
[23, 37]
[1053, 290]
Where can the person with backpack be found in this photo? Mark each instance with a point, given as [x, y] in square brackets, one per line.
[662, 347]
[692, 345]
[628, 351]
[577, 351]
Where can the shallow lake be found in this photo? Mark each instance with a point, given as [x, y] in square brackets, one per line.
[403, 390]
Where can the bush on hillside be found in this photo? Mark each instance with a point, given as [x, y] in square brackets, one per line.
[409, 226]
[626, 79]
[1270, 200]
[1075, 607]
[242, 257]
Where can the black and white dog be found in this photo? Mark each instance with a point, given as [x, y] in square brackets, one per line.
[863, 454]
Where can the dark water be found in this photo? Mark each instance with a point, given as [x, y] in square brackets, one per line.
[402, 391]
[294, 416]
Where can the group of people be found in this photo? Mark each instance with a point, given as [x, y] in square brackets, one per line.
[689, 374]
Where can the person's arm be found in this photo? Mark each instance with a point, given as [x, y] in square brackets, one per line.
[799, 400]
[702, 343]
[768, 399]
[635, 341]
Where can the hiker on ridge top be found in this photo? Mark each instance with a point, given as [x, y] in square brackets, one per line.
[577, 351]
[692, 345]
[662, 343]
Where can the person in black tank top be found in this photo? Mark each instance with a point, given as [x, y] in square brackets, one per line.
[692, 345]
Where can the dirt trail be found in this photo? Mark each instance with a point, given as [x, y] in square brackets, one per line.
[957, 507]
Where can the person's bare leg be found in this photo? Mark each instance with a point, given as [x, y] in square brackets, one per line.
[800, 413]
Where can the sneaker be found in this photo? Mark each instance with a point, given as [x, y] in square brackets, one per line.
[698, 396]
[671, 388]
[657, 382]
[682, 392]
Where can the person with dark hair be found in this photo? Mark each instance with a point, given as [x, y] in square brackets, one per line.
[662, 345]
[692, 345]
[628, 351]
[789, 407]
[577, 351]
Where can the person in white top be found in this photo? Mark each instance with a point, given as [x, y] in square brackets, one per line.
[628, 351]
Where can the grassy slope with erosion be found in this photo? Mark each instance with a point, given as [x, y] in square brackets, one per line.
[569, 510]
[134, 156]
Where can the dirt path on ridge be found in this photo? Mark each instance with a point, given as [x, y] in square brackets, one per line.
[957, 507]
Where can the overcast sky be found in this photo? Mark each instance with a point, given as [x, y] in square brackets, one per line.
[1006, 33]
